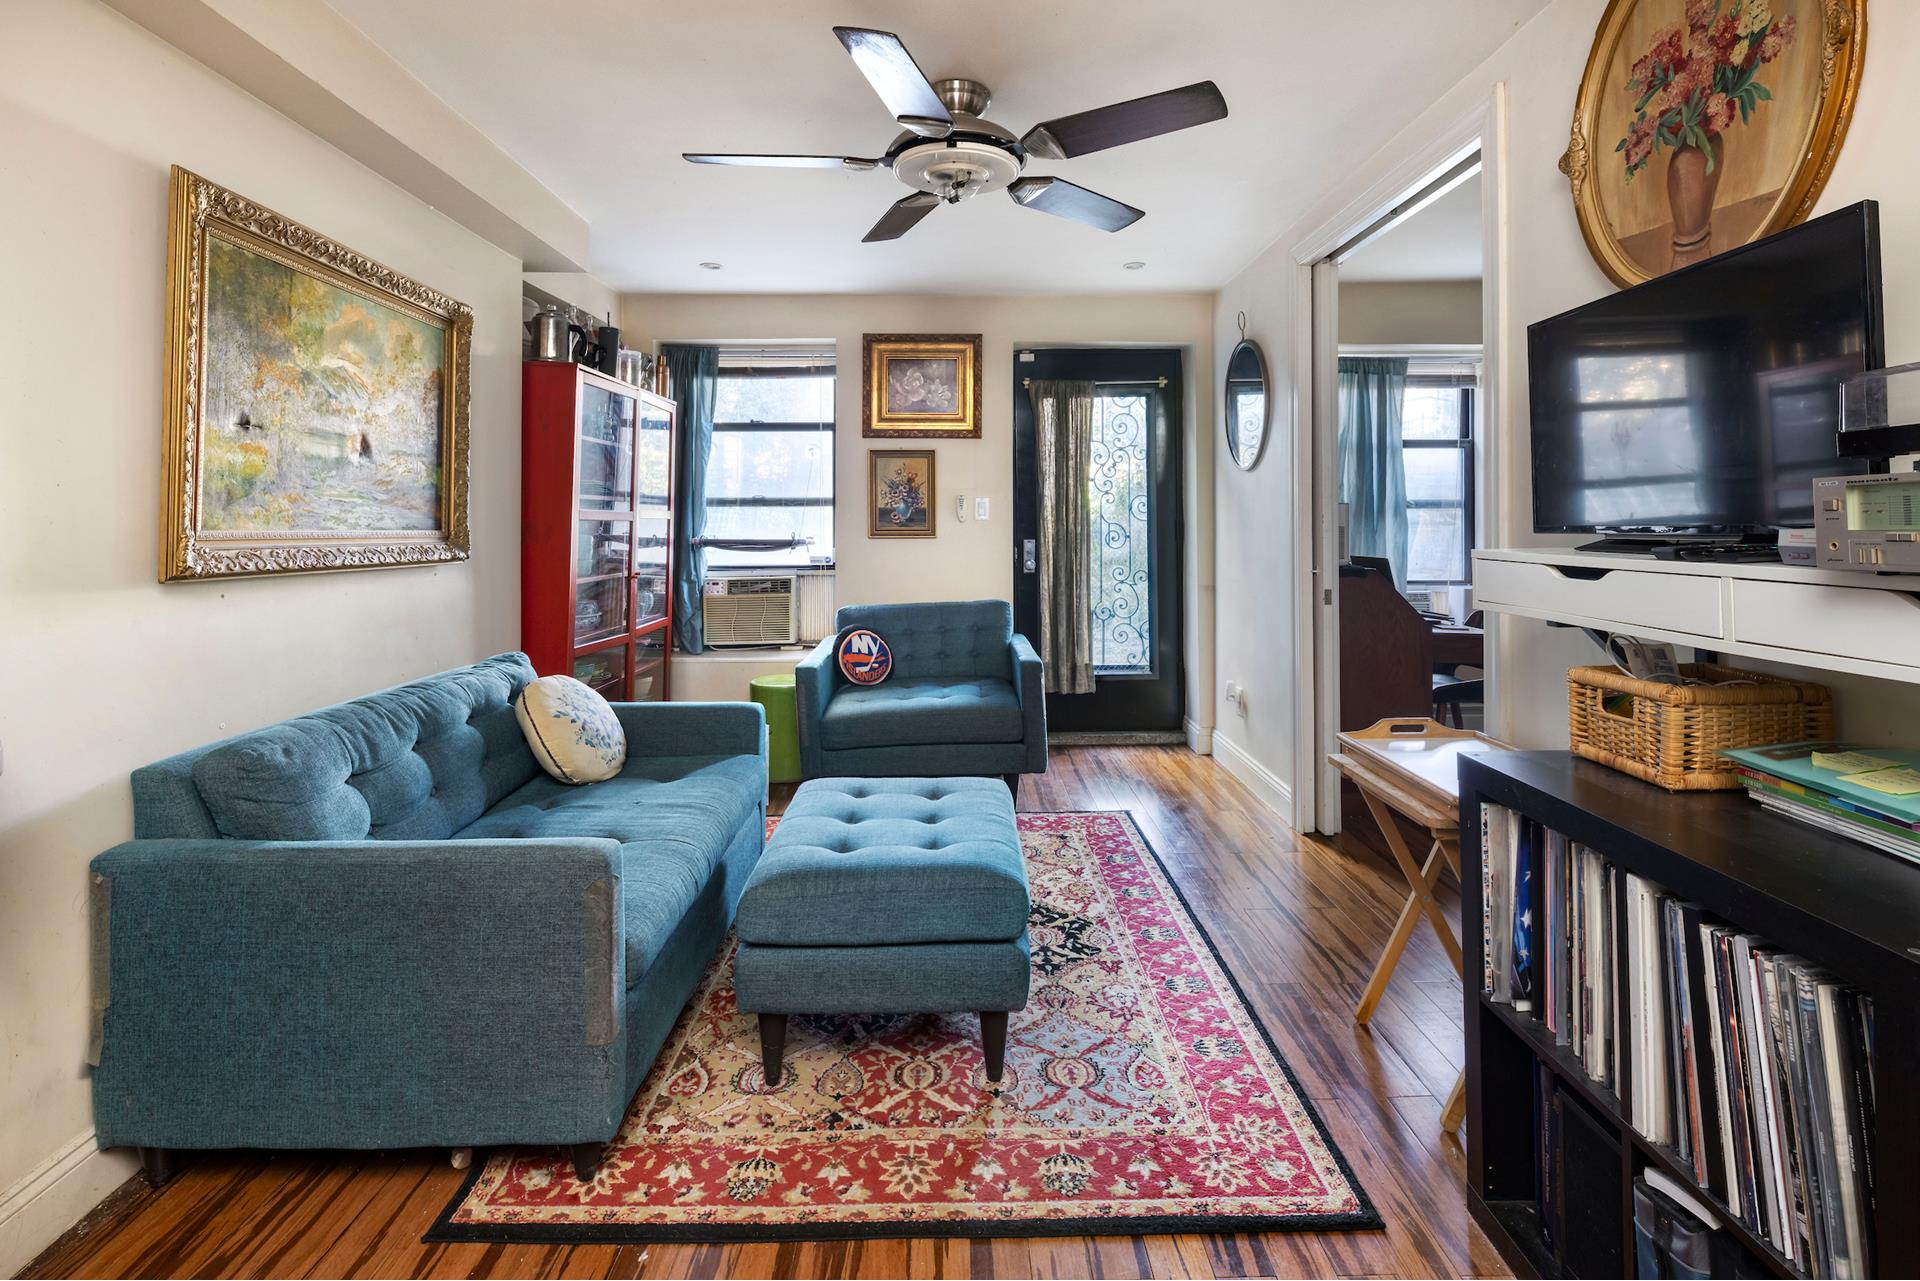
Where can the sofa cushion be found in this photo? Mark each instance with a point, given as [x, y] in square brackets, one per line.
[915, 711]
[415, 762]
[571, 728]
[940, 638]
[863, 862]
[674, 816]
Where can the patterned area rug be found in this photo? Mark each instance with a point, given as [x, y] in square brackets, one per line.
[1140, 1096]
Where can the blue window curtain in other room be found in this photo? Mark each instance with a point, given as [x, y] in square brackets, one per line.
[1373, 471]
[694, 374]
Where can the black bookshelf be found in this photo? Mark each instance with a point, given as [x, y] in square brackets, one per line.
[1844, 906]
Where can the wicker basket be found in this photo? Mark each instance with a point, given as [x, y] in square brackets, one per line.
[1671, 735]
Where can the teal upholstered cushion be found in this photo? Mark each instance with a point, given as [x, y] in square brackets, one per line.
[939, 638]
[674, 815]
[910, 711]
[415, 762]
[859, 862]
[905, 979]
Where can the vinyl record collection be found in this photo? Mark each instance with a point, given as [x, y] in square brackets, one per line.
[1751, 1065]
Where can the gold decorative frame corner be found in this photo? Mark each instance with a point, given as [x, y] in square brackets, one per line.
[1842, 58]
[197, 208]
[877, 349]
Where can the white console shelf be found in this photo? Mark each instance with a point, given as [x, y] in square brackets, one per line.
[1829, 620]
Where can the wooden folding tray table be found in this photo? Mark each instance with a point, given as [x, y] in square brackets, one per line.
[1409, 769]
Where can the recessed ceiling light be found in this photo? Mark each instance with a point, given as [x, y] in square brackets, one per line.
[711, 266]
[1135, 265]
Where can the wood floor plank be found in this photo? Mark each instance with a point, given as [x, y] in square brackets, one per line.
[1297, 920]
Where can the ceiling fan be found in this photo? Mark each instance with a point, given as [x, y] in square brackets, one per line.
[950, 153]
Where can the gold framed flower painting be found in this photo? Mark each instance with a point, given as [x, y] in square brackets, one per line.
[920, 385]
[1702, 125]
[316, 401]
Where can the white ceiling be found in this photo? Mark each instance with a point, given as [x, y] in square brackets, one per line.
[598, 98]
[1441, 242]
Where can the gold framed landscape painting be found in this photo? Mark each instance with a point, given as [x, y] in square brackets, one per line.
[921, 385]
[1703, 125]
[316, 401]
[900, 493]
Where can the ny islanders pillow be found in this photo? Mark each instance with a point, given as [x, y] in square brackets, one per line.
[864, 657]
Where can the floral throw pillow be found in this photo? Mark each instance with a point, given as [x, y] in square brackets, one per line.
[572, 730]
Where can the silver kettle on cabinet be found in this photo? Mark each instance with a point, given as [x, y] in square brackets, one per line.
[550, 331]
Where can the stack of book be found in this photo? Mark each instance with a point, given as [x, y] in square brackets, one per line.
[1871, 794]
[1751, 1065]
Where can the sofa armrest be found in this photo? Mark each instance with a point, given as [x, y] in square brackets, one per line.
[1029, 683]
[815, 678]
[357, 978]
[693, 729]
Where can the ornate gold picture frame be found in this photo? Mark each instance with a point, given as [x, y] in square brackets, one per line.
[316, 401]
[900, 493]
[1703, 125]
[920, 386]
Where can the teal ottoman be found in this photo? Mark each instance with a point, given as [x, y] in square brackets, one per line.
[887, 896]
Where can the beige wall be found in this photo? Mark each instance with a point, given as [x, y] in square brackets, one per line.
[974, 558]
[1411, 311]
[107, 669]
[1548, 270]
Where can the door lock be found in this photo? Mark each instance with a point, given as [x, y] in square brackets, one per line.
[1029, 555]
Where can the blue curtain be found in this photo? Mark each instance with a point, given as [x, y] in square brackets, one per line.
[1373, 471]
[694, 373]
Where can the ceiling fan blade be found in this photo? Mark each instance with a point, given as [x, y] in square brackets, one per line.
[1125, 122]
[901, 216]
[897, 78]
[1064, 199]
[781, 162]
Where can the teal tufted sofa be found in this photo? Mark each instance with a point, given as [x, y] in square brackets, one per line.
[964, 697]
[382, 925]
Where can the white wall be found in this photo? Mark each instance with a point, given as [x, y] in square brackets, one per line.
[108, 669]
[974, 559]
[1548, 270]
[1392, 312]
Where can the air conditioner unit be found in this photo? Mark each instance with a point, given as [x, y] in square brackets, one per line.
[749, 610]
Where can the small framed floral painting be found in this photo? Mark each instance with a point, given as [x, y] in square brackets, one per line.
[900, 493]
[921, 385]
[1702, 125]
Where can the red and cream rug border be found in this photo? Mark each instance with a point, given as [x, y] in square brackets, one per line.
[1362, 1217]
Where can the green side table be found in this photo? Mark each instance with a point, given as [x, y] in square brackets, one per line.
[775, 694]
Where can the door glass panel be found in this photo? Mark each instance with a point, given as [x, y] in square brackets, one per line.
[605, 670]
[654, 446]
[1120, 495]
[649, 667]
[606, 448]
[602, 548]
[655, 534]
[600, 580]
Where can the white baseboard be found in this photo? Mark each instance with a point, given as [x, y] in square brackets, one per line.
[1259, 780]
[1199, 737]
[52, 1198]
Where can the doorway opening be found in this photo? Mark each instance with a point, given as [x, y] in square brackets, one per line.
[1115, 566]
[1404, 413]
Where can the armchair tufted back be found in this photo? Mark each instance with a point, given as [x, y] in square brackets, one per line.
[940, 638]
[416, 762]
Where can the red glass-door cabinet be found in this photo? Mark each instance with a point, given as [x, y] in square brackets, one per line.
[596, 520]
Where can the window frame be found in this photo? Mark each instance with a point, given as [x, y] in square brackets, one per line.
[828, 366]
[1464, 444]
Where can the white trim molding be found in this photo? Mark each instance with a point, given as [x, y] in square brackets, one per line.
[1199, 737]
[1257, 778]
[60, 1192]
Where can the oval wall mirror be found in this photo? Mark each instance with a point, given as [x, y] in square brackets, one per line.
[1246, 400]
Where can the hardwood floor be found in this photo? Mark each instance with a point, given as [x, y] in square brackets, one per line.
[1297, 921]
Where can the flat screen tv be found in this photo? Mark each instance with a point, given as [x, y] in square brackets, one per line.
[1704, 402]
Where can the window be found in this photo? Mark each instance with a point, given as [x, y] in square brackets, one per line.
[1120, 502]
[770, 475]
[1436, 432]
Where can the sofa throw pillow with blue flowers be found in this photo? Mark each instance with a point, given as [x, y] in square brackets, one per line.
[572, 730]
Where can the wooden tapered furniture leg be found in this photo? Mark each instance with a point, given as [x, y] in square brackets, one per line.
[1456, 1110]
[993, 1038]
[1396, 944]
[773, 1044]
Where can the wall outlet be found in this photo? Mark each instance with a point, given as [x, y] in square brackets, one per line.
[981, 508]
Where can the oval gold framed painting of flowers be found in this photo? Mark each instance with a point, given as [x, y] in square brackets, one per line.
[1702, 125]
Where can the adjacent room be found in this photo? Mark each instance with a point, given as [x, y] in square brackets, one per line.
[1077, 640]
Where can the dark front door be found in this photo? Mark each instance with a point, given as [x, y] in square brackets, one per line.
[1135, 532]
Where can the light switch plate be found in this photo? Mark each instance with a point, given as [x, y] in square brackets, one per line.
[981, 506]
